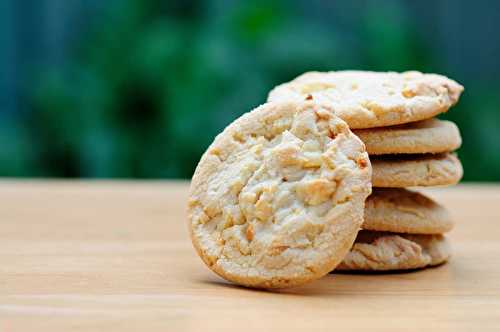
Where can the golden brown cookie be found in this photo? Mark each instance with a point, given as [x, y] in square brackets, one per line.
[370, 99]
[278, 198]
[416, 170]
[427, 136]
[404, 211]
[379, 251]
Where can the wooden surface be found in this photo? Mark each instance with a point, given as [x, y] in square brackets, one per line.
[116, 255]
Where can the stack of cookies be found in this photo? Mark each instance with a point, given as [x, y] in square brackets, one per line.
[278, 199]
[393, 114]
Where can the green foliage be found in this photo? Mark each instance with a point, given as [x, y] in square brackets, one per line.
[16, 152]
[153, 83]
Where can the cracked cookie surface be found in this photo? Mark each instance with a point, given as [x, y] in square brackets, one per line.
[427, 136]
[278, 198]
[374, 99]
[401, 171]
[404, 211]
[379, 251]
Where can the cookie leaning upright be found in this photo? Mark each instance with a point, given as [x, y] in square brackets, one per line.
[278, 198]
[371, 99]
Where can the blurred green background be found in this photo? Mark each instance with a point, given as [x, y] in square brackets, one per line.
[139, 88]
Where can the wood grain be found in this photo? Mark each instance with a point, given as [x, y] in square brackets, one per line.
[102, 255]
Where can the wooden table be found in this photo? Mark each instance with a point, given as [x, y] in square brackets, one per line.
[116, 255]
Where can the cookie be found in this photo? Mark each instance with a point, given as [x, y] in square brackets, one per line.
[416, 170]
[278, 197]
[371, 99]
[404, 211]
[427, 136]
[378, 251]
